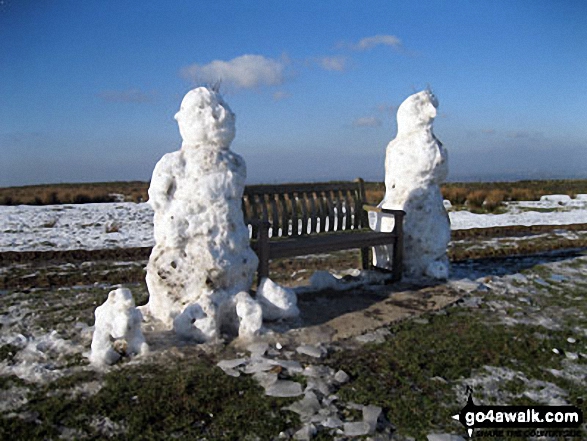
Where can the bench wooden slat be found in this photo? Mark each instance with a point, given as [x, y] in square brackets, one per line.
[323, 210]
[294, 214]
[313, 212]
[274, 213]
[330, 205]
[339, 210]
[298, 188]
[348, 208]
[304, 206]
[284, 215]
[320, 243]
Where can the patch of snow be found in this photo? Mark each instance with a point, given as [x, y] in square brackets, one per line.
[277, 302]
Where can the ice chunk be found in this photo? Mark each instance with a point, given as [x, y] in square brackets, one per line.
[231, 364]
[305, 433]
[292, 366]
[277, 301]
[265, 379]
[284, 388]
[356, 428]
[257, 349]
[371, 415]
[341, 377]
[306, 407]
[312, 351]
[259, 365]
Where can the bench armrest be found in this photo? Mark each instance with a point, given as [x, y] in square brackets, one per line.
[384, 210]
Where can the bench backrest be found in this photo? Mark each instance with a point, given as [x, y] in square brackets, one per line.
[300, 209]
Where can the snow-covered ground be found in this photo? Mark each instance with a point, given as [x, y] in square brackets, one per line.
[127, 225]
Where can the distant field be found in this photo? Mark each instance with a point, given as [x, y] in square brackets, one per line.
[475, 194]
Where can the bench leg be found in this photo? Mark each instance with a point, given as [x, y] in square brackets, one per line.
[365, 258]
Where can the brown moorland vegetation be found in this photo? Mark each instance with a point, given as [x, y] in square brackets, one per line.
[486, 195]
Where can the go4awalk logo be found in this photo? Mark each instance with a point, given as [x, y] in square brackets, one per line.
[516, 417]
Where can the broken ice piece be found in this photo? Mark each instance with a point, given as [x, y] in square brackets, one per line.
[371, 415]
[265, 379]
[305, 433]
[259, 365]
[332, 422]
[356, 429]
[230, 364]
[257, 349]
[232, 372]
[306, 407]
[292, 366]
[283, 389]
[312, 351]
[341, 377]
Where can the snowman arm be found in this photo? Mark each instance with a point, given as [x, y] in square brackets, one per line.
[399, 213]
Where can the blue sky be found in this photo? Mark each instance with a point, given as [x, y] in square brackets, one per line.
[88, 89]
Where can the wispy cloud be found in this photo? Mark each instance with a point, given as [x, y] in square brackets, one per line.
[126, 96]
[367, 121]
[523, 134]
[376, 40]
[244, 72]
[386, 108]
[336, 63]
[280, 95]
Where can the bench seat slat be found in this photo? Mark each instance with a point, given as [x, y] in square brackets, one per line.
[327, 242]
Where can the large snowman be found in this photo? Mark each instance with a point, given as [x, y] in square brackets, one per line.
[415, 166]
[202, 267]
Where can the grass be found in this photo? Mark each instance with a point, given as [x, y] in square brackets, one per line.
[182, 400]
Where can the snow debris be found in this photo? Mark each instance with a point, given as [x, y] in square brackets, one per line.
[416, 163]
[118, 319]
[277, 301]
[312, 351]
[321, 280]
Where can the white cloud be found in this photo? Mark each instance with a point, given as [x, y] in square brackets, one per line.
[244, 72]
[126, 96]
[377, 40]
[338, 63]
[367, 121]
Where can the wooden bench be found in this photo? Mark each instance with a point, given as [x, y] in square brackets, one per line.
[298, 219]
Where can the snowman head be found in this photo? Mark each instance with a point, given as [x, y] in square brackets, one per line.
[417, 111]
[205, 119]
